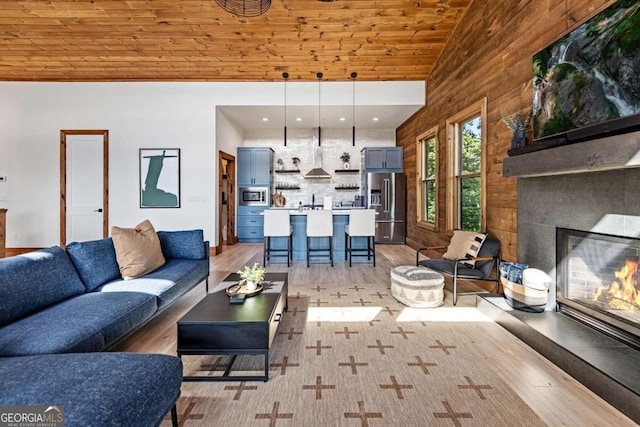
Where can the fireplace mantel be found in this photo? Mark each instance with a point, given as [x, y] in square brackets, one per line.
[614, 152]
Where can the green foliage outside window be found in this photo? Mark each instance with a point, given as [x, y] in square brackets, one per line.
[469, 195]
[429, 181]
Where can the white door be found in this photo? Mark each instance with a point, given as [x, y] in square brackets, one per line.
[84, 187]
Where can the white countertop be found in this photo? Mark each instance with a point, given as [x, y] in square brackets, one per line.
[335, 211]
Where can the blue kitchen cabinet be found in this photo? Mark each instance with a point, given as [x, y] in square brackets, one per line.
[250, 224]
[383, 159]
[254, 166]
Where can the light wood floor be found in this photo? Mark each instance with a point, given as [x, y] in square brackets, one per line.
[556, 397]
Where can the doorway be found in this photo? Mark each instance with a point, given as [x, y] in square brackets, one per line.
[227, 200]
[84, 185]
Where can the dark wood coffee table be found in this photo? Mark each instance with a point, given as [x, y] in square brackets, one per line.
[214, 326]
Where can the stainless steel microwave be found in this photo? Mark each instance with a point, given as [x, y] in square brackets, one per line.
[254, 196]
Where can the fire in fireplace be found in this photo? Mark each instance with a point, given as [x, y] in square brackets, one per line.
[622, 293]
[597, 281]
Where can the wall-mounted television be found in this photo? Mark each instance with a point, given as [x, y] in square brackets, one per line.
[587, 84]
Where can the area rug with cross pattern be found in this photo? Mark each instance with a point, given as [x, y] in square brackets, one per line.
[354, 356]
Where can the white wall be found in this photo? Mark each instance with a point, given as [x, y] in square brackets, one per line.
[137, 115]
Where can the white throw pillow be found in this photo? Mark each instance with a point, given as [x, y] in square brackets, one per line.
[464, 244]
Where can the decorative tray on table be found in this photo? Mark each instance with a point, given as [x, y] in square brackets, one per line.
[237, 292]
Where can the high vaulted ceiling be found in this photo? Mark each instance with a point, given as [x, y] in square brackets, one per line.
[174, 40]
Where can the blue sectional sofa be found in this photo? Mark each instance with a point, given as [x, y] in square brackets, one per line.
[56, 301]
[95, 389]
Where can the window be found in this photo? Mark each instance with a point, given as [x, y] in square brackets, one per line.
[427, 177]
[465, 185]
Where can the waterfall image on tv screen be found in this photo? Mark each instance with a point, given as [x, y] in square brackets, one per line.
[591, 75]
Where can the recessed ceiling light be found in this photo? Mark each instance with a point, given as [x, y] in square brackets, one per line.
[265, 119]
[342, 119]
[298, 119]
[375, 119]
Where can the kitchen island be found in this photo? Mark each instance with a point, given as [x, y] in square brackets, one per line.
[299, 224]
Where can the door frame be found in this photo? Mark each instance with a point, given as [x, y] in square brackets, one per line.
[231, 199]
[63, 180]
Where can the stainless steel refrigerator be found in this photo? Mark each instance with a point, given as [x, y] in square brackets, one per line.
[386, 193]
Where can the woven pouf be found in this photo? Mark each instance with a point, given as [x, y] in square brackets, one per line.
[418, 287]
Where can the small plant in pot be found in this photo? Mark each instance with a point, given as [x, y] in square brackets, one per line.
[280, 163]
[518, 125]
[296, 162]
[345, 157]
[251, 276]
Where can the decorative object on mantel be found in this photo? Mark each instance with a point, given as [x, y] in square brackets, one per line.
[280, 163]
[345, 157]
[518, 125]
[246, 8]
[296, 162]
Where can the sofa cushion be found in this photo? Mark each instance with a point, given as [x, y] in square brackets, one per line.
[88, 322]
[95, 261]
[447, 266]
[138, 250]
[95, 389]
[187, 244]
[35, 280]
[167, 283]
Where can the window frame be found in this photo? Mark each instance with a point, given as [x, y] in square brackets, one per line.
[454, 124]
[421, 141]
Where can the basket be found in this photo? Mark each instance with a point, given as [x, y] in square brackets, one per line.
[531, 297]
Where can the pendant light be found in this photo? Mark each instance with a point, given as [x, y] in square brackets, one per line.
[353, 112]
[319, 76]
[285, 76]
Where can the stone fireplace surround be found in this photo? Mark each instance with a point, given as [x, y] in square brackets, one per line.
[590, 186]
[605, 202]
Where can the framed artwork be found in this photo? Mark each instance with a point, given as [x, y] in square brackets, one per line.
[159, 177]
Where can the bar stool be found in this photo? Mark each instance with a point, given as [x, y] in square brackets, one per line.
[362, 223]
[320, 224]
[276, 224]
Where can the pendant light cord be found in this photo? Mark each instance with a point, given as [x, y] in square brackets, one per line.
[353, 111]
[319, 76]
[285, 76]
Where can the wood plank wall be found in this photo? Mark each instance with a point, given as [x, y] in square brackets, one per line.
[489, 55]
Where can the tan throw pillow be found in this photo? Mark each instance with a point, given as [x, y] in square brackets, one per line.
[138, 250]
[464, 244]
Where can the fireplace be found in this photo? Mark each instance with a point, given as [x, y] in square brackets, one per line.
[597, 281]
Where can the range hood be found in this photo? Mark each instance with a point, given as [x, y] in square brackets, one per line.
[317, 172]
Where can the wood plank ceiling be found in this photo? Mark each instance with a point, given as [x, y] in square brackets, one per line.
[173, 40]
